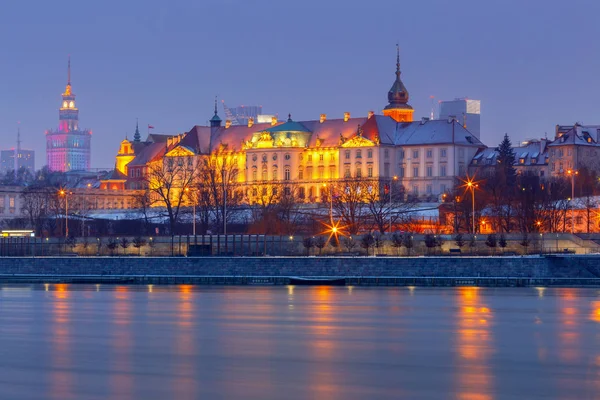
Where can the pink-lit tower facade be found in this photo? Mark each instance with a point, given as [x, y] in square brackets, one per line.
[68, 148]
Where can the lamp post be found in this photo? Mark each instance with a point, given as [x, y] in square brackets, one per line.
[224, 201]
[572, 174]
[330, 203]
[64, 193]
[471, 186]
[395, 178]
[187, 189]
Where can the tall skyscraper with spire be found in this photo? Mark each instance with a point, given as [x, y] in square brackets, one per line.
[68, 148]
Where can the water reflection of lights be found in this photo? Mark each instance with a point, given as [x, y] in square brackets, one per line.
[569, 333]
[150, 288]
[540, 291]
[184, 386]
[474, 346]
[61, 377]
[121, 384]
[411, 290]
[595, 314]
[350, 289]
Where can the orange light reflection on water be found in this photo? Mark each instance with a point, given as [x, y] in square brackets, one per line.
[475, 343]
[121, 381]
[61, 378]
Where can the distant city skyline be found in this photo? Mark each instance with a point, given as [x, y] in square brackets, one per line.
[158, 63]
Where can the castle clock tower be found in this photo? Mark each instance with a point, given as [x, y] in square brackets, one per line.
[398, 107]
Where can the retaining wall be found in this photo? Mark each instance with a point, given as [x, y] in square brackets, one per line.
[568, 266]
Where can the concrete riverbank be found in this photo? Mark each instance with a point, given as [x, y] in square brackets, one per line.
[566, 270]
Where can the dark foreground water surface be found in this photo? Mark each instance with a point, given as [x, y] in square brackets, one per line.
[185, 342]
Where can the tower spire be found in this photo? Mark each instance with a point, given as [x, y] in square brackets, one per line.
[136, 136]
[215, 121]
[397, 61]
[68, 88]
[398, 107]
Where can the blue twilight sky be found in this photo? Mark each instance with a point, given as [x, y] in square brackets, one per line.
[532, 63]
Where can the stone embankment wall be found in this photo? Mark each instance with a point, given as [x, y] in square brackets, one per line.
[568, 266]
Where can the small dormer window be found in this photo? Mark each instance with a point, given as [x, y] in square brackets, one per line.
[522, 161]
[589, 139]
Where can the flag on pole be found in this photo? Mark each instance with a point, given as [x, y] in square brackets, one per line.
[150, 126]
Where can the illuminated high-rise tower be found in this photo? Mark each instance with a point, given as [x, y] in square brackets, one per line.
[68, 148]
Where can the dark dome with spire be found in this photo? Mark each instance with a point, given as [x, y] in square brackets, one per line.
[215, 121]
[398, 95]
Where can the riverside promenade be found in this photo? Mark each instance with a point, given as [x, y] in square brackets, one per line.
[549, 270]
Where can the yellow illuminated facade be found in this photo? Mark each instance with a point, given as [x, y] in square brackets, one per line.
[125, 156]
[305, 158]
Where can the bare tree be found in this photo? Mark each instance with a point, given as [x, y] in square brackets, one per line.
[387, 203]
[349, 203]
[166, 181]
[218, 192]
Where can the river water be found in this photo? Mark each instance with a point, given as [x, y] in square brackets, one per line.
[192, 342]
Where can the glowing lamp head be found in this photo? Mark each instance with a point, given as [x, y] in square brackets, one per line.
[334, 229]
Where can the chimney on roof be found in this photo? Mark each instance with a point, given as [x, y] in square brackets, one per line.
[273, 121]
[371, 113]
[322, 118]
[346, 116]
[250, 122]
[227, 123]
[424, 120]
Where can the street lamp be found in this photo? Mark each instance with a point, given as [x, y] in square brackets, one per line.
[330, 203]
[572, 174]
[187, 190]
[63, 192]
[395, 178]
[471, 186]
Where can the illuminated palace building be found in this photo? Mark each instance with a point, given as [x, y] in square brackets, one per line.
[68, 148]
[423, 156]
